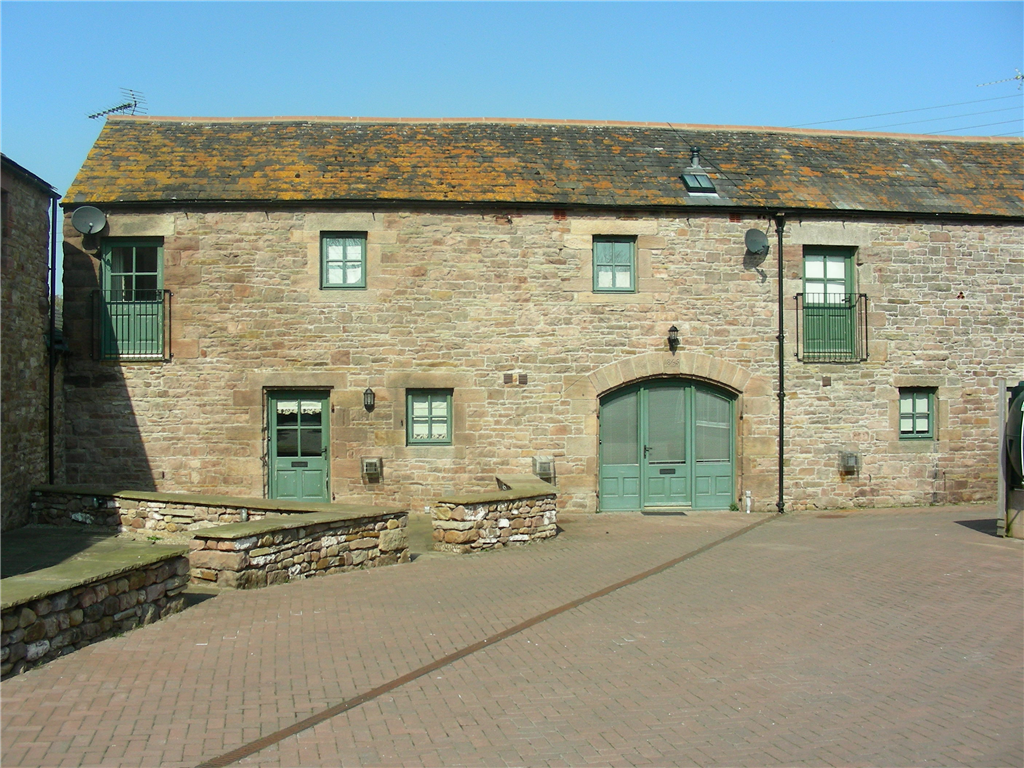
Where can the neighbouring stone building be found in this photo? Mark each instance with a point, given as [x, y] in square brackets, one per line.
[384, 311]
[24, 266]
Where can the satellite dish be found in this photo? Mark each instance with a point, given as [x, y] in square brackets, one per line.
[756, 241]
[88, 220]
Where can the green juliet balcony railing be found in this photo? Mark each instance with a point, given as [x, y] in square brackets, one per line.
[832, 328]
[131, 324]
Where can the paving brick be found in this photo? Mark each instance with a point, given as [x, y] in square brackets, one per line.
[879, 638]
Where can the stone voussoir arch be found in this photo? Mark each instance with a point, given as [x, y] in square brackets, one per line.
[691, 365]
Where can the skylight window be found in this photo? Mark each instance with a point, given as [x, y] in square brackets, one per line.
[698, 182]
[695, 178]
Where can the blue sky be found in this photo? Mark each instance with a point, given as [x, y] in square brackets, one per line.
[734, 63]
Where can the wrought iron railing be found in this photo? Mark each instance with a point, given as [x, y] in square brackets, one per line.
[832, 328]
[131, 325]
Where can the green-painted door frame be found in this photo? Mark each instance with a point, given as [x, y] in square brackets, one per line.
[668, 444]
[298, 433]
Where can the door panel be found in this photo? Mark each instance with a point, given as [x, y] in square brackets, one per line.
[663, 410]
[298, 440]
[666, 444]
[620, 447]
[713, 449]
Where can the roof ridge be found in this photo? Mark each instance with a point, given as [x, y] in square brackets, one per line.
[557, 122]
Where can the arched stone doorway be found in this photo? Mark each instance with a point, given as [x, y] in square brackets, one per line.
[667, 443]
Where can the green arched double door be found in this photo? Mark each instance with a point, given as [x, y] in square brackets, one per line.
[667, 443]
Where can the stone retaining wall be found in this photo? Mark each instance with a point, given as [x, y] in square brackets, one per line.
[42, 628]
[279, 548]
[492, 520]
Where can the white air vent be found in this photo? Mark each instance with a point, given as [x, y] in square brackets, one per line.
[373, 468]
[849, 463]
[544, 469]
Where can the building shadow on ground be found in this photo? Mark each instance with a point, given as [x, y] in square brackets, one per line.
[987, 526]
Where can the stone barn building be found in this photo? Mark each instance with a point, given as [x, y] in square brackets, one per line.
[28, 431]
[391, 311]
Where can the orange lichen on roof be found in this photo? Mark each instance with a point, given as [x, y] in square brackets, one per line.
[562, 163]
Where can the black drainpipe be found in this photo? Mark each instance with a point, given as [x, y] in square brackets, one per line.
[780, 225]
[52, 346]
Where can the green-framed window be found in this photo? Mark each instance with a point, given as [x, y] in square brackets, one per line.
[343, 260]
[614, 264]
[917, 413]
[132, 308]
[830, 303]
[428, 415]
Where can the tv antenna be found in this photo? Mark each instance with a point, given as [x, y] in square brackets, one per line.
[1018, 77]
[132, 103]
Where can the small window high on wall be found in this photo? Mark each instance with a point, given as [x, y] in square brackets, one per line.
[917, 413]
[428, 416]
[614, 264]
[343, 260]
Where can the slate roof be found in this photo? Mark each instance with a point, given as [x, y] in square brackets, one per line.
[559, 164]
[27, 176]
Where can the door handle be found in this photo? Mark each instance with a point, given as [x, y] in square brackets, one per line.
[647, 449]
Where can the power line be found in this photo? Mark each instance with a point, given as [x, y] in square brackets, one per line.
[969, 127]
[936, 119]
[903, 112]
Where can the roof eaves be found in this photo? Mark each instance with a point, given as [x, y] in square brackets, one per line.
[27, 175]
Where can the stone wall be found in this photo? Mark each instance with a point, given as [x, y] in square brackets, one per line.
[42, 628]
[484, 521]
[24, 325]
[498, 306]
[278, 549]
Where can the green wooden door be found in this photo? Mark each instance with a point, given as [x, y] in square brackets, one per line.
[666, 437]
[298, 456]
[829, 319]
[713, 450]
[666, 444]
[133, 325]
[619, 481]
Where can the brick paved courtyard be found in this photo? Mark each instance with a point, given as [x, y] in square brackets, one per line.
[875, 638]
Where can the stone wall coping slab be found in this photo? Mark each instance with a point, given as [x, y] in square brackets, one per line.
[204, 500]
[483, 498]
[511, 487]
[273, 523]
[98, 563]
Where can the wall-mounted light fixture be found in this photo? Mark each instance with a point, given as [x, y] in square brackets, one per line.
[369, 400]
[673, 339]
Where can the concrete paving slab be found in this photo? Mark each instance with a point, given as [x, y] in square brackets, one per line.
[42, 560]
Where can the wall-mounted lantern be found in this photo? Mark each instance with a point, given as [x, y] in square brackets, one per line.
[369, 400]
[673, 339]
